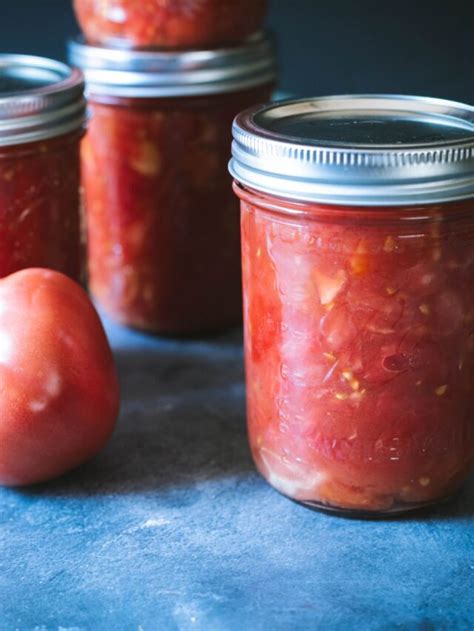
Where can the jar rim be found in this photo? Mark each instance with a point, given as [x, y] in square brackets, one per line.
[366, 150]
[156, 73]
[40, 98]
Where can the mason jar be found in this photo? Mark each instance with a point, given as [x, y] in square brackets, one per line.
[162, 222]
[42, 115]
[358, 265]
[177, 24]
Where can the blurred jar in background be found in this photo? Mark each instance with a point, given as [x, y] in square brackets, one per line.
[169, 23]
[42, 114]
[358, 269]
[163, 225]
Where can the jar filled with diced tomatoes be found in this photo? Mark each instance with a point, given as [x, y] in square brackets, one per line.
[358, 265]
[42, 114]
[169, 23]
[162, 221]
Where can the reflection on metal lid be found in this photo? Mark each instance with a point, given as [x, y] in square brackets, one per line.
[160, 73]
[39, 98]
[362, 149]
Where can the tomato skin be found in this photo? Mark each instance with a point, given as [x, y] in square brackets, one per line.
[59, 392]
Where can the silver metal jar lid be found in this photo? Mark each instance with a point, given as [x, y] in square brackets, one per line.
[39, 99]
[155, 74]
[368, 150]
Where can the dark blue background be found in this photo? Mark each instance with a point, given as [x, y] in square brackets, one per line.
[327, 47]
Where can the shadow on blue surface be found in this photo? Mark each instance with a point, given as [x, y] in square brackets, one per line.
[182, 418]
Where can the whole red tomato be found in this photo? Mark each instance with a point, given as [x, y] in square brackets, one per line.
[59, 394]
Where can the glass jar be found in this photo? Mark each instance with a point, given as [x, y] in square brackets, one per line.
[169, 24]
[42, 113]
[358, 268]
[163, 224]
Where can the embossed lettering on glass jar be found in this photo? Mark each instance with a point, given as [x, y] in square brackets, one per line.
[163, 224]
[42, 114]
[169, 23]
[358, 267]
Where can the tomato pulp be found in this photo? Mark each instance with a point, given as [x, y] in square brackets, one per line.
[163, 224]
[359, 336]
[169, 23]
[39, 206]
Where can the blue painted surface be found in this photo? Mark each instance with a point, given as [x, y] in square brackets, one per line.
[171, 527]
